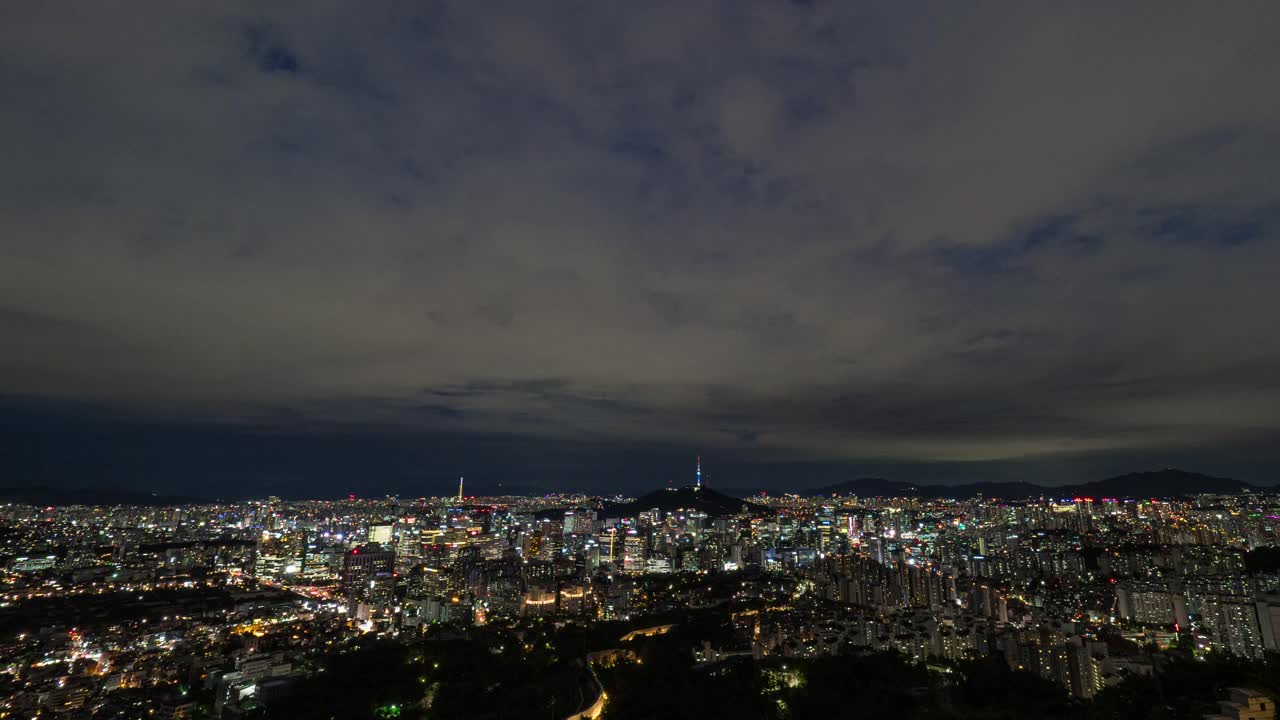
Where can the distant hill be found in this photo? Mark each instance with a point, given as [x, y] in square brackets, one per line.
[1159, 483]
[711, 502]
[513, 490]
[873, 487]
[91, 496]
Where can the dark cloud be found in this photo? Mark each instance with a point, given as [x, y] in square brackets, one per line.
[825, 231]
[266, 48]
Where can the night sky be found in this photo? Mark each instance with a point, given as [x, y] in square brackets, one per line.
[316, 248]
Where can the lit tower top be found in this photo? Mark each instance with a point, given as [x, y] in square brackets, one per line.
[459, 489]
[698, 483]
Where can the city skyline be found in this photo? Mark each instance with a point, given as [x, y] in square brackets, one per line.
[917, 608]
[326, 250]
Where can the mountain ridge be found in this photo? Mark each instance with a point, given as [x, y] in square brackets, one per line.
[42, 495]
[1169, 482]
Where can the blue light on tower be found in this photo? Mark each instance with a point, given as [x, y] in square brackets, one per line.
[698, 483]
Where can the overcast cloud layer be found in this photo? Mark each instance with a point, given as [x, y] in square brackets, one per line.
[801, 230]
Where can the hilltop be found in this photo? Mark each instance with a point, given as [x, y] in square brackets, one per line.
[703, 499]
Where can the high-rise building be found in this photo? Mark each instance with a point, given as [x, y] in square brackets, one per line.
[634, 553]
[611, 541]
[1151, 604]
[1232, 620]
[368, 578]
[578, 522]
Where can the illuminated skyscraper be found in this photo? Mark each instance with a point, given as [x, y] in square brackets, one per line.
[368, 578]
[1232, 620]
[634, 553]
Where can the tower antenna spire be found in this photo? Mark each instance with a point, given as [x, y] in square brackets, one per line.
[699, 472]
[459, 489]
